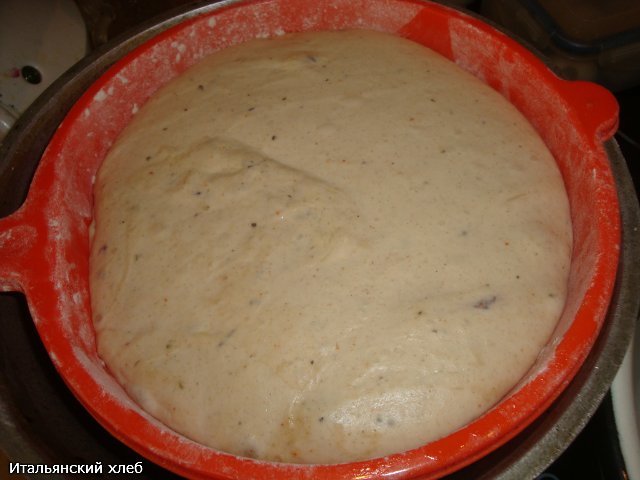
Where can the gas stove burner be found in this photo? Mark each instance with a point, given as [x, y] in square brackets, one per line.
[35, 30]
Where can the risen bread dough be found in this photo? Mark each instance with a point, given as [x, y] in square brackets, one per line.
[326, 247]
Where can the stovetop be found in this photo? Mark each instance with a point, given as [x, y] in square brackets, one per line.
[46, 424]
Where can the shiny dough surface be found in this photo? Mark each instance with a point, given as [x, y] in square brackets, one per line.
[326, 247]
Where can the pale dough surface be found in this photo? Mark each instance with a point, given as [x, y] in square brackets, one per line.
[326, 247]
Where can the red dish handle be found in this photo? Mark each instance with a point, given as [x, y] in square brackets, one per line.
[20, 252]
[597, 108]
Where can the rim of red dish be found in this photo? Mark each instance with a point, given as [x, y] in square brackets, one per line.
[591, 110]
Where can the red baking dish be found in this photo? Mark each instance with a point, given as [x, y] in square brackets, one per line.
[44, 246]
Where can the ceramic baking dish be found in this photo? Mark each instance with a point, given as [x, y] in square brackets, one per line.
[44, 246]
